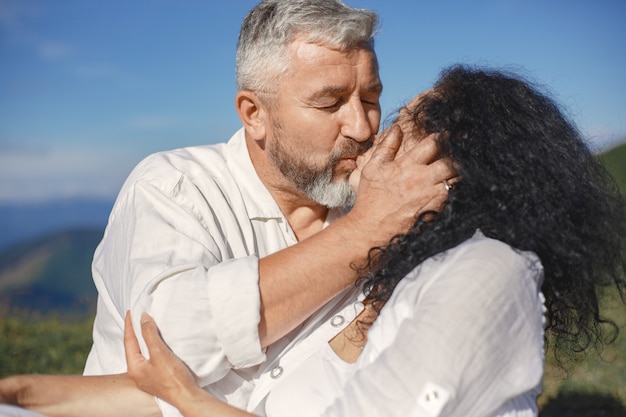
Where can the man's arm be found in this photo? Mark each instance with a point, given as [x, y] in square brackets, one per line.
[78, 396]
[393, 190]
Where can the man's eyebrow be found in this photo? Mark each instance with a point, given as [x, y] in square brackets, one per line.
[329, 91]
[337, 90]
[334, 90]
[374, 88]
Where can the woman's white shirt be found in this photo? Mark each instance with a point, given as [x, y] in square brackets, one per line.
[462, 335]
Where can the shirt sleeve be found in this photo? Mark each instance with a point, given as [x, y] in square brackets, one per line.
[175, 256]
[471, 344]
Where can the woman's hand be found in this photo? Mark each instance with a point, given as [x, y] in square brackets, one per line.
[163, 375]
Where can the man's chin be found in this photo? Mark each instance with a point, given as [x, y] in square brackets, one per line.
[334, 195]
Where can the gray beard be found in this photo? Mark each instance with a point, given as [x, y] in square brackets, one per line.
[324, 191]
[316, 184]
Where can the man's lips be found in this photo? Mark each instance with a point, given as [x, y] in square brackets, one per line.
[350, 162]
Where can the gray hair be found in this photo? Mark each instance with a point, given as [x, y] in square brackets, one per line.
[272, 25]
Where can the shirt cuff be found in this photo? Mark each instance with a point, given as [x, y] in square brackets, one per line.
[235, 305]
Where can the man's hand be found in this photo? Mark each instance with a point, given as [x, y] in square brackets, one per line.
[396, 186]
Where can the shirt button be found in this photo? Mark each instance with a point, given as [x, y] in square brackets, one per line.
[276, 372]
[337, 321]
[431, 396]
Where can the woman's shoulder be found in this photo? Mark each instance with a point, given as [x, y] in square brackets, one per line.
[479, 258]
[486, 251]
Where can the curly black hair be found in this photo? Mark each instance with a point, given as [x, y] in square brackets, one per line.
[527, 179]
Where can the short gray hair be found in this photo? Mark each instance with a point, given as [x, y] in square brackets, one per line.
[272, 25]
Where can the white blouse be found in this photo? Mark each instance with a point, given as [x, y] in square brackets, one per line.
[462, 335]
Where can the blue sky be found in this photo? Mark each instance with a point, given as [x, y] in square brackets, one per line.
[88, 88]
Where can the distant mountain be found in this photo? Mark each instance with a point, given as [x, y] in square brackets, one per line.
[20, 222]
[50, 274]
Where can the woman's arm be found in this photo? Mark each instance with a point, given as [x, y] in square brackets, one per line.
[77, 395]
[165, 376]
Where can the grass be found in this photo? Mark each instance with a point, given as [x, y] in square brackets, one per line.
[599, 380]
[43, 345]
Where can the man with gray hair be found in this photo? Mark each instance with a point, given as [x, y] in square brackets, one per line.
[241, 245]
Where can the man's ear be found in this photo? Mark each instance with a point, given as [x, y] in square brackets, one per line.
[253, 114]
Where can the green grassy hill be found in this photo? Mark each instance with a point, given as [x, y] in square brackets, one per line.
[51, 274]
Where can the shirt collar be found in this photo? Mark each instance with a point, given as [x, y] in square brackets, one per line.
[259, 201]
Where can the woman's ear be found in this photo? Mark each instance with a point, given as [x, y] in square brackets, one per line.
[253, 114]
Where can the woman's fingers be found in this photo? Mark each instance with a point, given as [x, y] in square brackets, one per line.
[131, 344]
[151, 335]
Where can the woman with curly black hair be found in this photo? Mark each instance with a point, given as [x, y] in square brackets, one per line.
[528, 180]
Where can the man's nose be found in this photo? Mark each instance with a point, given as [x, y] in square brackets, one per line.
[358, 123]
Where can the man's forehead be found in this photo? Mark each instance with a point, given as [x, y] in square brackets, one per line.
[303, 48]
[331, 71]
[317, 55]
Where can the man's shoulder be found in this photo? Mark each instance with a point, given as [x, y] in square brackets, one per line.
[186, 159]
[205, 162]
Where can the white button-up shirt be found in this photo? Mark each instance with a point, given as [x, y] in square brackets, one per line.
[182, 243]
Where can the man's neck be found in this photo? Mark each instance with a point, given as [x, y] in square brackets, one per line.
[304, 216]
